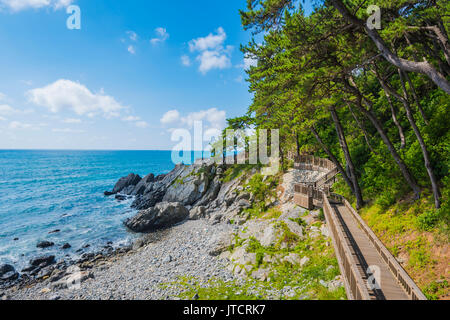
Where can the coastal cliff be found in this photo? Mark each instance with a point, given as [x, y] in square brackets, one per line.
[270, 240]
[208, 232]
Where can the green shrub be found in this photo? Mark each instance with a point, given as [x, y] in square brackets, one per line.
[321, 215]
[428, 220]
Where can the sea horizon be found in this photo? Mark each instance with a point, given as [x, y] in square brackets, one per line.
[46, 190]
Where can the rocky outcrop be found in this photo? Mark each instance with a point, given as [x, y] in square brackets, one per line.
[155, 189]
[161, 216]
[125, 184]
[8, 273]
[142, 185]
[197, 213]
[196, 187]
[191, 184]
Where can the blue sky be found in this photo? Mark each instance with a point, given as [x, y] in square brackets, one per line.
[134, 72]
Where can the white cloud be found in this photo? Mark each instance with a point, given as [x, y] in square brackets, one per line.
[2, 96]
[131, 49]
[17, 5]
[2, 119]
[19, 125]
[141, 124]
[212, 54]
[213, 60]
[211, 118]
[212, 41]
[66, 94]
[161, 36]
[71, 120]
[6, 109]
[170, 117]
[138, 122]
[132, 35]
[185, 61]
[67, 130]
[131, 118]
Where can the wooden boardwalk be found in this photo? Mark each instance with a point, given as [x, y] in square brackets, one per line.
[369, 270]
[365, 255]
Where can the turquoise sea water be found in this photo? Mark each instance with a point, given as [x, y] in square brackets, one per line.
[41, 191]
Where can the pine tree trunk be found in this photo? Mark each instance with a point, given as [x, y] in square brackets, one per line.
[423, 67]
[397, 124]
[372, 117]
[348, 158]
[366, 136]
[425, 153]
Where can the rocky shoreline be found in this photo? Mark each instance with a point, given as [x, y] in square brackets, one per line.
[184, 186]
[195, 222]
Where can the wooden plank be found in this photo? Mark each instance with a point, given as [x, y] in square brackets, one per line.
[367, 255]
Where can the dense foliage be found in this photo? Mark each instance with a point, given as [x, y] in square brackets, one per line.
[374, 101]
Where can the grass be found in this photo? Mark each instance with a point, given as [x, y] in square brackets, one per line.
[416, 234]
[301, 282]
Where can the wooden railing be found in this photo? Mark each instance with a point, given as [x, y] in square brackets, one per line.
[306, 162]
[353, 279]
[320, 191]
[411, 289]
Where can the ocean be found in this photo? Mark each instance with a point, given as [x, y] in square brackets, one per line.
[43, 191]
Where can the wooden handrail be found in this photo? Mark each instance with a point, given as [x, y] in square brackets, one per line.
[396, 269]
[355, 288]
[319, 190]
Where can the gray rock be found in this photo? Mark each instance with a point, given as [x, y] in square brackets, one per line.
[45, 244]
[261, 274]
[130, 180]
[197, 213]
[222, 244]
[293, 258]
[46, 272]
[42, 260]
[243, 203]
[72, 280]
[161, 216]
[139, 243]
[294, 227]
[324, 230]
[155, 191]
[9, 276]
[120, 197]
[211, 194]
[5, 268]
[66, 246]
[143, 184]
[191, 185]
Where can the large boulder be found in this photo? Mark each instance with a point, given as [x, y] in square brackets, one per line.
[154, 191]
[125, 182]
[163, 215]
[140, 188]
[42, 261]
[9, 276]
[191, 185]
[5, 268]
